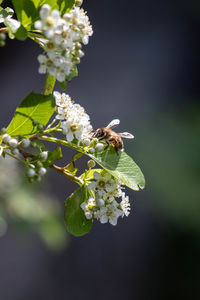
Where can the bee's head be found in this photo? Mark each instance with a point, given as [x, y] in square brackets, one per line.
[99, 133]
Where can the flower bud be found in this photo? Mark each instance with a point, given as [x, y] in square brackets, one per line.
[86, 142]
[13, 143]
[42, 171]
[44, 155]
[92, 150]
[88, 215]
[15, 151]
[39, 164]
[31, 173]
[3, 130]
[78, 2]
[26, 143]
[32, 166]
[91, 163]
[6, 137]
[39, 178]
[35, 122]
[40, 127]
[99, 146]
[80, 53]
[100, 202]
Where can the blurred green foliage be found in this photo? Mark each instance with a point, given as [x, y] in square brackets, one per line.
[25, 209]
[171, 159]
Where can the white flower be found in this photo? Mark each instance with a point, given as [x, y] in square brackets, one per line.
[105, 186]
[64, 38]
[62, 100]
[125, 205]
[75, 123]
[105, 207]
[109, 213]
[88, 207]
[44, 12]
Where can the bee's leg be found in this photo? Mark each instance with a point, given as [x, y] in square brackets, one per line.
[106, 147]
[116, 150]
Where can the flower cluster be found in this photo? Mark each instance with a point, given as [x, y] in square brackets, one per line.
[103, 205]
[36, 170]
[64, 38]
[75, 123]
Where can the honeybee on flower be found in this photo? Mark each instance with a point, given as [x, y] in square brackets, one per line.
[111, 137]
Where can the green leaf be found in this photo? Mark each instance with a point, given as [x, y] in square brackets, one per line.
[77, 156]
[62, 5]
[73, 73]
[89, 174]
[21, 33]
[53, 156]
[121, 166]
[34, 107]
[75, 219]
[63, 85]
[71, 166]
[28, 10]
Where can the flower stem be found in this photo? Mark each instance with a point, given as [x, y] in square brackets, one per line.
[49, 129]
[68, 175]
[15, 157]
[4, 30]
[61, 142]
[49, 84]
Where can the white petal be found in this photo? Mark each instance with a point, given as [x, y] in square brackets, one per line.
[42, 69]
[92, 186]
[88, 215]
[38, 25]
[103, 219]
[113, 221]
[55, 14]
[60, 77]
[97, 176]
[70, 136]
[83, 205]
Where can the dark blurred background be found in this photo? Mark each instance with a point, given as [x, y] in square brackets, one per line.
[141, 66]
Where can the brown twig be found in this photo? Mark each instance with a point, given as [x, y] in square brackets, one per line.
[4, 30]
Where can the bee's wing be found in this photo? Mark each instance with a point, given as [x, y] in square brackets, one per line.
[113, 123]
[126, 135]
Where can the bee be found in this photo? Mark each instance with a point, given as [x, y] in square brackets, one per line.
[111, 137]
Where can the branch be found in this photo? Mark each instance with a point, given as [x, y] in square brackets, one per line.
[68, 175]
[4, 30]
